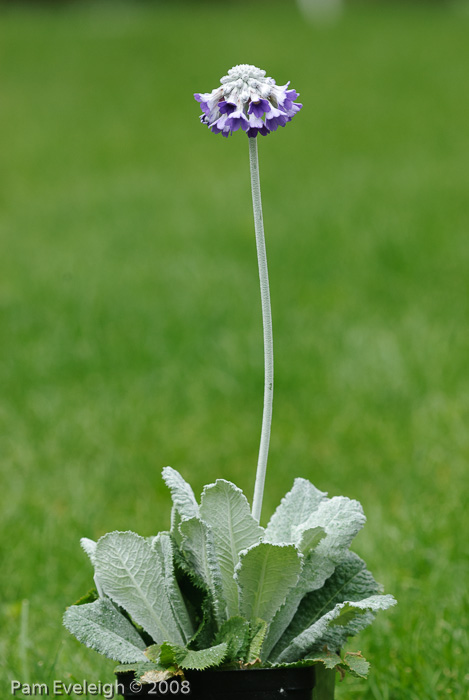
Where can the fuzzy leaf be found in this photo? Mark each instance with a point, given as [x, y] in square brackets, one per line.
[293, 511]
[350, 581]
[102, 627]
[181, 493]
[258, 630]
[89, 597]
[163, 546]
[153, 652]
[126, 668]
[226, 510]
[199, 548]
[356, 664]
[193, 660]
[265, 574]
[137, 669]
[235, 632]
[176, 520]
[207, 628]
[341, 519]
[310, 539]
[333, 628]
[329, 659]
[133, 575]
[89, 546]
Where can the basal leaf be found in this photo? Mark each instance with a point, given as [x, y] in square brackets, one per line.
[89, 546]
[293, 511]
[258, 630]
[163, 546]
[310, 539]
[153, 652]
[329, 659]
[89, 597]
[193, 660]
[341, 519]
[350, 581]
[176, 520]
[199, 549]
[356, 664]
[207, 628]
[333, 628]
[102, 627]
[265, 574]
[235, 632]
[133, 575]
[181, 493]
[226, 511]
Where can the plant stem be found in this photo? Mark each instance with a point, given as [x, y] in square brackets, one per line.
[267, 324]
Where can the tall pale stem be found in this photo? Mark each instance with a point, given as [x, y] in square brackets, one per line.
[267, 323]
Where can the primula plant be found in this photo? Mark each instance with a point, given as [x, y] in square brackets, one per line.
[218, 590]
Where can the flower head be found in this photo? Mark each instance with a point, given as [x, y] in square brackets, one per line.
[249, 101]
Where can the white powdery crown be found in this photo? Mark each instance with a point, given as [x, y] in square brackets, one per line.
[249, 100]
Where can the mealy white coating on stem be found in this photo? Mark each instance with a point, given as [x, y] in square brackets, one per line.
[267, 324]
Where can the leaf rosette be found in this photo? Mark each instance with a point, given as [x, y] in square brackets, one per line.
[219, 591]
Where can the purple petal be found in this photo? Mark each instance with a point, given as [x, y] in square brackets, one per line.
[256, 126]
[226, 107]
[294, 109]
[275, 118]
[237, 119]
[219, 124]
[292, 95]
[259, 108]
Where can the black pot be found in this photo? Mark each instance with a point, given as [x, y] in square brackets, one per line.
[252, 684]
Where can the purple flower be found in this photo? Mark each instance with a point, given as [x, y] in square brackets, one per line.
[247, 100]
[276, 118]
[237, 119]
[257, 126]
[259, 108]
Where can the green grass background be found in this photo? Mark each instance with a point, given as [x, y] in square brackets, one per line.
[129, 313]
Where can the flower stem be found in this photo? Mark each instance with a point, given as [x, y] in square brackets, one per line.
[267, 323]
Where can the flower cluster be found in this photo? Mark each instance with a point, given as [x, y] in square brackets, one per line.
[247, 99]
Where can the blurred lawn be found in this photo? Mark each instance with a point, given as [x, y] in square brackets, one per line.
[130, 320]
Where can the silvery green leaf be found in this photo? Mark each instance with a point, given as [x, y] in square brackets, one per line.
[176, 520]
[265, 574]
[341, 519]
[310, 539]
[199, 549]
[163, 546]
[89, 546]
[356, 664]
[258, 629]
[333, 628]
[132, 574]
[236, 633]
[350, 581]
[330, 659]
[226, 511]
[193, 660]
[102, 627]
[181, 493]
[294, 510]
